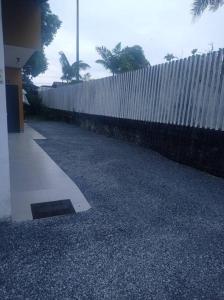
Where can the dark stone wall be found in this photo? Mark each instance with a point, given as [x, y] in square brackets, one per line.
[199, 148]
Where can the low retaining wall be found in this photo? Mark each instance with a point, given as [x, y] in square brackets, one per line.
[199, 148]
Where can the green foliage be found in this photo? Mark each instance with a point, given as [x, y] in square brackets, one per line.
[199, 6]
[194, 51]
[169, 57]
[50, 23]
[133, 58]
[86, 77]
[70, 70]
[120, 60]
[110, 59]
[33, 98]
[35, 102]
[36, 64]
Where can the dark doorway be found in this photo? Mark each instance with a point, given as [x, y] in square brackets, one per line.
[12, 103]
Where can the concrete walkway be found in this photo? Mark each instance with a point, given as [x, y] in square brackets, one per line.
[155, 229]
[36, 178]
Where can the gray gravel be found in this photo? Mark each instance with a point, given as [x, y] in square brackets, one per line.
[155, 230]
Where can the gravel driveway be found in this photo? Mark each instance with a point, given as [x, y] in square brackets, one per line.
[155, 230]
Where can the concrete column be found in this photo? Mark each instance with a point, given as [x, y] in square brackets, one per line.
[5, 205]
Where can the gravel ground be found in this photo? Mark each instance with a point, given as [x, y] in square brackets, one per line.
[155, 230]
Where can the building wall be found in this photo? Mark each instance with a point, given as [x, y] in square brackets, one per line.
[27, 17]
[5, 206]
[13, 76]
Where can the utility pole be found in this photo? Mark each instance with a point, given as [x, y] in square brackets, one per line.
[77, 38]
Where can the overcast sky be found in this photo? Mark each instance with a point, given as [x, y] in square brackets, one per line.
[160, 27]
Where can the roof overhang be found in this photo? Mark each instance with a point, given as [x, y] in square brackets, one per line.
[16, 57]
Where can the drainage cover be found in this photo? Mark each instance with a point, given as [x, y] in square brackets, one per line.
[51, 209]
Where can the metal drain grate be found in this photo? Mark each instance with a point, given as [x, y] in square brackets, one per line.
[51, 209]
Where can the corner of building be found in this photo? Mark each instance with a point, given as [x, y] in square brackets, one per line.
[5, 203]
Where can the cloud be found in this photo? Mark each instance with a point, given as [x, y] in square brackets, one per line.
[158, 26]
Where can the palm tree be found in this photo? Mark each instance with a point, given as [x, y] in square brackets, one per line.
[194, 51]
[70, 70]
[169, 57]
[119, 60]
[86, 77]
[109, 59]
[199, 6]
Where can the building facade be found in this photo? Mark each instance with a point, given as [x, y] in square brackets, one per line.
[20, 37]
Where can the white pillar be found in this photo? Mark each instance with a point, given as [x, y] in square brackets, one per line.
[5, 205]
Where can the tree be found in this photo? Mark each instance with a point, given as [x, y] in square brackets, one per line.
[199, 6]
[86, 77]
[37, 63]
[110, 58]
[133, 58]
[70, 70]
[120, 60]
[194, 51]
[169, 57]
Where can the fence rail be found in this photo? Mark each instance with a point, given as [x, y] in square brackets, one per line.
[186, 92]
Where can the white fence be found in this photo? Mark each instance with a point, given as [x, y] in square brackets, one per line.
[185, 92]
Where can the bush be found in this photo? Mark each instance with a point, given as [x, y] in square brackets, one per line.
[35, 107]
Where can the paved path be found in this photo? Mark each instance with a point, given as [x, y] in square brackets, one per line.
[36, 178]
[155, 229]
